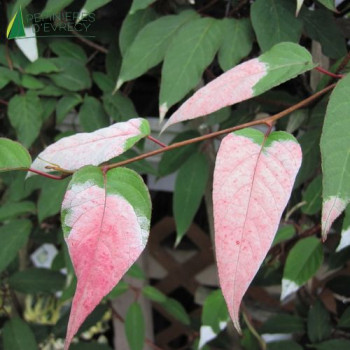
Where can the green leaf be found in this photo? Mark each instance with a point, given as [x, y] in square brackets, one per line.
[135, 271]
[303, 260]
[91, 6]
[151, 44]
[30, 82]
[132, 25]
[49, 105]
[214, 311]
[285, 345]
[345, 231]
[35, 280]
[344, 321]
[7, 75]
[318, 323]
[274, 21]
[51, 197]
[332, 40]
[176, 310]
[190, 186]
[309, 143]
[67, 48]
[284, 61]
[189, 53]
[284, 233]
[119, 107]
[92, 115]
[330, 4]
[154, 294]
[283, 323]
[60, 328]
[9, 210]
[335, 152]
[42, 66]
[334, 344]
[299, 6]
[52, 90]
[237, 42]
[118, 290]
[313, 197]
[13, 155]
[17, 335]
[25, 112]
[296, 119]
[73, 75]
[53, 6]
[65, 105]
[103, 81]
[140, 5]
[172, 160]
[13, 237]
[135, 327]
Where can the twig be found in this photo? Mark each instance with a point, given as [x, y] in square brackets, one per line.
[50, 176]
[330, 74]
[160, 143]
[4, 102]
[208, 5]
[344, 63]
[267, 120]
[90, 43]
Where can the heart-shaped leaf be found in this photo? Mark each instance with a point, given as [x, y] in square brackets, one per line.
[253, 179]
[74, 152]
[105, 219]
[251, 78]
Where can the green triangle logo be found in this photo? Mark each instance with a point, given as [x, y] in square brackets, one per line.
[15, 28]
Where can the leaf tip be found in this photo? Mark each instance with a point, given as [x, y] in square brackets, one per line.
[163, 109]
[288, 288]
[332, 208]
[120, 82]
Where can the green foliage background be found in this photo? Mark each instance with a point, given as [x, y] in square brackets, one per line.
[153, 54]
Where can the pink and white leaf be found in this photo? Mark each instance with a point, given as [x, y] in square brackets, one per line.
[253, 180]
[282, 62]
[104, 232]
[73, 152]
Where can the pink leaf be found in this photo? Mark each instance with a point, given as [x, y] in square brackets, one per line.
[233, 86]
[253, 180]
[74, 152]
[105, 220]
[282, 62]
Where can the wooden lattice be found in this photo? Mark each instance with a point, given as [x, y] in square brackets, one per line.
[179, 275]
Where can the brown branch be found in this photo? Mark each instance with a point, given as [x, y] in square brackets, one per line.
[267, 120]
[208, 5]
[4, 102]
[344, 63]
[90, 43]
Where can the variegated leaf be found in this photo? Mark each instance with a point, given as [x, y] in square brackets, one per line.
[74, 152]
[253, 179]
